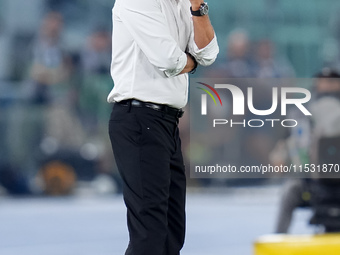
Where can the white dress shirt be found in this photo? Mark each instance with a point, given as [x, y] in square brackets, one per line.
[149, 41]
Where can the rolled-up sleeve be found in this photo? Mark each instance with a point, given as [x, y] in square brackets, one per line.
[148, 27]
[205, 56]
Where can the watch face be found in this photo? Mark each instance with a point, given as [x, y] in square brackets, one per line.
[204, 9]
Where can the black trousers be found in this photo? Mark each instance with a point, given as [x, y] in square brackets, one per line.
[147, 149]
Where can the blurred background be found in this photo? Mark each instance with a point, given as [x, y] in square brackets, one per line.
[54, 149]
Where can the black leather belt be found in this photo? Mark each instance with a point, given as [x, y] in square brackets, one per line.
[178, 113]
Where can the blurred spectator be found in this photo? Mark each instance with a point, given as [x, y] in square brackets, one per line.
[268, 65]
[96, 83]
[96, 56]
[50, 64]
[328, 97]
[268, 69]
[238, 62]
[52, 67]
[296, 192]
[95, 60]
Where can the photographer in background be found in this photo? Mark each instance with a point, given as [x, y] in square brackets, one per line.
[302, 146]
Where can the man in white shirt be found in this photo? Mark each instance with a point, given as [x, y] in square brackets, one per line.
[155, 44]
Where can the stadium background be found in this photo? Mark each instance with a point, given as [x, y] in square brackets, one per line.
[53, 137]
[303, 37]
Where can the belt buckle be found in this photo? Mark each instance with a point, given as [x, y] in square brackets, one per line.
[152, 106]
[135, 103]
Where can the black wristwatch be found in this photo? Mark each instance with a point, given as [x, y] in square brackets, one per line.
[203, 10]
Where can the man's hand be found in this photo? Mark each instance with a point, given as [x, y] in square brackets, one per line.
[190, 65]
[196, 4]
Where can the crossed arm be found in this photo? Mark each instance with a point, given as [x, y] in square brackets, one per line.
[203, 33]
[147, 25]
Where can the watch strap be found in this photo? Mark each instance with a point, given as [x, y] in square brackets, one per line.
[195, 13]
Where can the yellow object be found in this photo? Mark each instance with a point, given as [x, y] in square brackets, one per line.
[325, 244]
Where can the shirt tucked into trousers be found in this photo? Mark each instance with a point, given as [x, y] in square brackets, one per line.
[150, 39]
